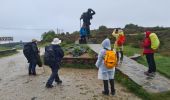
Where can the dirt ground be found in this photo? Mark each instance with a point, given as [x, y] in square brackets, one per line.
[78, 84]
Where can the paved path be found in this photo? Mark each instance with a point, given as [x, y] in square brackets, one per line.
[135, 72]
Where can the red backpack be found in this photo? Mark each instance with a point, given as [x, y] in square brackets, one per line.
[121, 40]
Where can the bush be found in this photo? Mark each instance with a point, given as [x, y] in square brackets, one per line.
[102, 28]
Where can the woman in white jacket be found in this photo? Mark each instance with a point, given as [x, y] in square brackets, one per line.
[104, 73]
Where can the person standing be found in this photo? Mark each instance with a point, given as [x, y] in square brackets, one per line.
[105, 74]
[87, 16]
[31, 52]
[118, 45]
[54, 61]
[149, 53]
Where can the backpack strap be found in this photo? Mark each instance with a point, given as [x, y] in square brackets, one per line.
[105, 48]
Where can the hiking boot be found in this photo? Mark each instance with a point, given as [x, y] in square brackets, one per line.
[112, 93]
[34, 74]
[58, 81]
[152, 74]
[49, 86]
[120, 62]
[105, 93]
[146, 73]
[29, 73]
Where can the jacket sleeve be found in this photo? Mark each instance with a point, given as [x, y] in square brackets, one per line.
[60, 53]
[93, 12]
[35, 49]
[100, 59]
[82, 15]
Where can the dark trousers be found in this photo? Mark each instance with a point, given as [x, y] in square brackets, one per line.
[83, 39]
[121, 55]
[106, 86]
[54, 74]
[87, 29]
[151, 62]
[32, 67]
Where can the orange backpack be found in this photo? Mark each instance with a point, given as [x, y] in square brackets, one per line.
[121, 40]
[110, 59]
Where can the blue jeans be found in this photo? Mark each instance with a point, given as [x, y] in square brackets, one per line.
[32, 67]
[54, 74]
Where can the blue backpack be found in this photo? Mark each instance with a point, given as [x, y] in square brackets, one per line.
[83, 32]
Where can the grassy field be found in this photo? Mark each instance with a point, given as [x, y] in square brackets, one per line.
[130, 51]
[162, 62]
[9, 54]
[4, 48]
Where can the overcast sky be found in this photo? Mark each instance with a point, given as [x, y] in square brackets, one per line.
[27, 19]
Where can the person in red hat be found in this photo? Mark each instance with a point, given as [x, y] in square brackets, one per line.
[149, 52]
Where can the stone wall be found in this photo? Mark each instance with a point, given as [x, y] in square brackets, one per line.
[3, 52]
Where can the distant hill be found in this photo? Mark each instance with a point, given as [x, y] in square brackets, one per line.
[134, 36]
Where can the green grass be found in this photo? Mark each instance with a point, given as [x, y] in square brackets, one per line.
[162, 62]
[130, 51]
[43, 44]
[4, 48]
[79, 66]
[9, 54]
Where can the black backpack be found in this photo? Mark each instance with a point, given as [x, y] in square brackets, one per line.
[27, 51]
[49, 56]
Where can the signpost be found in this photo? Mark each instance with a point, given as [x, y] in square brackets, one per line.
[6, 38]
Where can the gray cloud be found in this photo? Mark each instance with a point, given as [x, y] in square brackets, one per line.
[64, 14]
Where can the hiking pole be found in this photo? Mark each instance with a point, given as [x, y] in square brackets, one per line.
[43, 69]
[80, 23]
[41, 61]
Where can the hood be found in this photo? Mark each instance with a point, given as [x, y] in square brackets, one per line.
[106, 44]
[147, 33]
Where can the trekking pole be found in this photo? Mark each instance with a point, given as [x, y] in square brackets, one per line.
[43, 69]
[40, 59]
[80, 24]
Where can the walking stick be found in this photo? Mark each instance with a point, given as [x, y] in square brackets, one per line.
[43, 69]
[80, 23]
[41, 61]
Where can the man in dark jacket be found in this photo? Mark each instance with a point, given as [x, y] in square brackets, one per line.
[33, 58]
[87, 16]
[54, 65]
